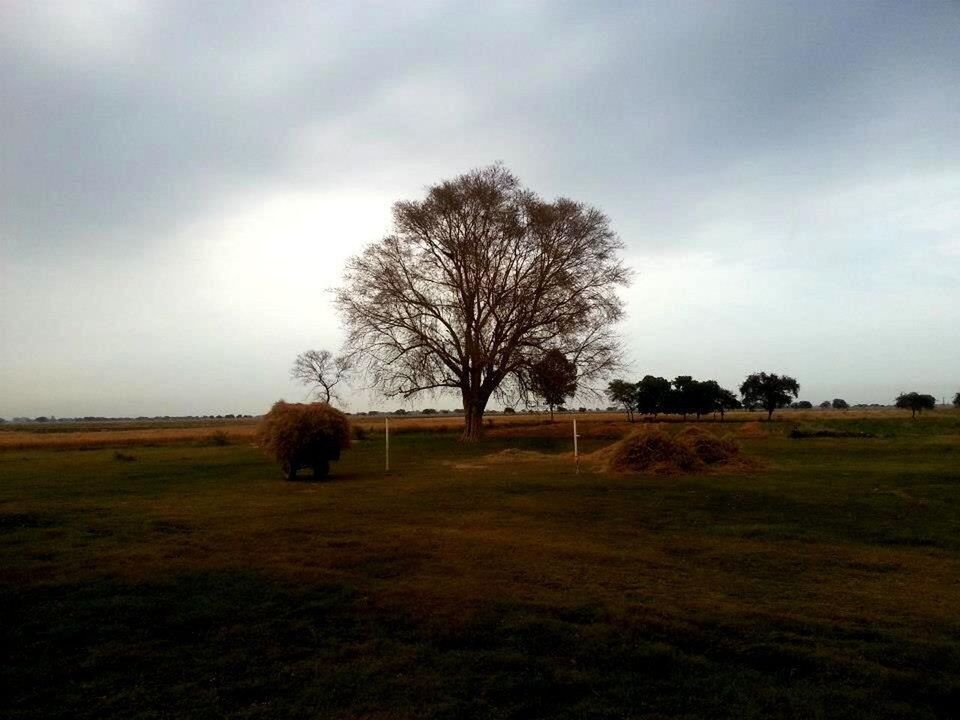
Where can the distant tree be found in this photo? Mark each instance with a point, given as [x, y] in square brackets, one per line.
[725, 400]
[956, 400]
[804, 405]
[651, 395]
[509, 411]
[581, 410]
[683, 398]
[320, 370]
[915, 402]
[399, 411]
[840, 404]
[428, 411]
[624, 394]
[825, 405]
[554, 378]
[769, 391]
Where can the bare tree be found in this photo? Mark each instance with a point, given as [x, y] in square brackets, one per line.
[478, 281]
[321, 371]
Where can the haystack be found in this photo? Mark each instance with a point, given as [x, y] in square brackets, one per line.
[657, 452]
[304, 435]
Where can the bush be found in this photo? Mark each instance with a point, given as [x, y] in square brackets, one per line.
[509, 411]
[304, 435]
[428, 411]
[219, 438]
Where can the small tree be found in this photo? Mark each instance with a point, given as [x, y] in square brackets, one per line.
[804, 405]
[725, 400]
[651, 395]
[825, 405]
[840, 404]
[915, 402]
[769, 391]
[624, 394]
[553, 378]
[321, 371]
[956, 400]
[683, 399]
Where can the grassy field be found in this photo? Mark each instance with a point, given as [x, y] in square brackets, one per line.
[187, 579]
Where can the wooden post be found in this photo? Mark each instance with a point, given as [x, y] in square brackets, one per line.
[576, 449]
[386, 435]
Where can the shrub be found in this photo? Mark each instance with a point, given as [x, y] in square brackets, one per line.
[304, 435]
[509, 411]
[428, 411]
[219, 438]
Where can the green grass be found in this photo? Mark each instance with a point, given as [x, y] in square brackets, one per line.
[195, 582]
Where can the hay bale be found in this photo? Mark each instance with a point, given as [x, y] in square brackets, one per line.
[711, 449]
[653, 451]
[299, 435]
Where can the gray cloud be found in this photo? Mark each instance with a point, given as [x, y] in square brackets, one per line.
[813, 142]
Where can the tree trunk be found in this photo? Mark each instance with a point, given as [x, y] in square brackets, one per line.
[551, 413]
[769, 414]
[473, 408]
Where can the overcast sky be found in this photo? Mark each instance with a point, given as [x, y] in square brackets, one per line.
[180, 182]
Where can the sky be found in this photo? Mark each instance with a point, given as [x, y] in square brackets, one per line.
[181, 183]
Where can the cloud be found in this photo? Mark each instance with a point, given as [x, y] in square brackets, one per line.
[177, 180]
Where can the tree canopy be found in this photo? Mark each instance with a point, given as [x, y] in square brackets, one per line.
[769, 391]
[478, 280]
[840, 404]
[553, 378]
[624, 394]
[956, 400]
[915, 402]
[321, 371]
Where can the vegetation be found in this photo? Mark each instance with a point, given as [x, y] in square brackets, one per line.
[624, 394]
[190, 584]
[479, 280]
[297, 436]
[322, 372]
[956, 400]
[768, 391]
[553, 378]
[840, 404]
[915, 402]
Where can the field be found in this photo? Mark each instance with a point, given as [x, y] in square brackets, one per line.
[151, 573]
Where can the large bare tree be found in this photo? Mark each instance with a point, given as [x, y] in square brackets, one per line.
[477, 282]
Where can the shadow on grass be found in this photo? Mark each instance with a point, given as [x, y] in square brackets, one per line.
[237, 644]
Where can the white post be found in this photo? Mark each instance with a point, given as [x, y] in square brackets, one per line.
[576, 449]
[386, 422]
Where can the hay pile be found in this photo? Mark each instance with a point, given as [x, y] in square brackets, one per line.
[659, 453]
[303, 435]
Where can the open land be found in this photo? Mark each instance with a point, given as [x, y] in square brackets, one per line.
[153, 572]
